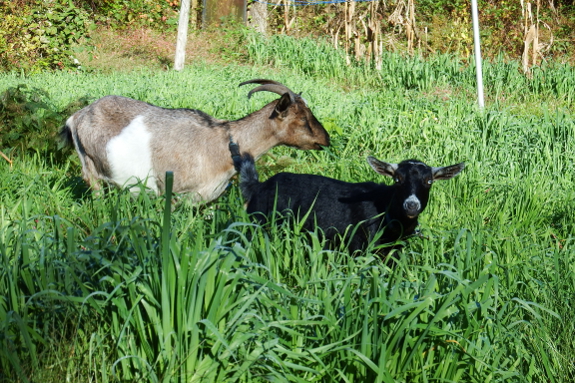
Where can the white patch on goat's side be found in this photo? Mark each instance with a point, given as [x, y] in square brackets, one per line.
[412, 199]
[130, 155]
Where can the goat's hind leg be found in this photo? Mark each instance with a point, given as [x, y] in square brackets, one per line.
[90, 175]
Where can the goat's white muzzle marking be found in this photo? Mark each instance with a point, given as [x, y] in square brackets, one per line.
[412, 206]
[130, 155]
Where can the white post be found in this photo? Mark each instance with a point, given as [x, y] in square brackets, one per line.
[182, 35]
[477, 50]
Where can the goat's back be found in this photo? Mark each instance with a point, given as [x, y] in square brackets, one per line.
[109, 115]
[334, 204]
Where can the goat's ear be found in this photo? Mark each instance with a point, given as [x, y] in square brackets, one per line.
[283, 105]
[383, 168]
[447, 172]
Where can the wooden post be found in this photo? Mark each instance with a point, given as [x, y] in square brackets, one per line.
[259, 17]
[410, 25]
[182, 35]
[477, 50]
[286, 17]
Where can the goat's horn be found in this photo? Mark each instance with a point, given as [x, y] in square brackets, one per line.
[261, 81]
[270, 86]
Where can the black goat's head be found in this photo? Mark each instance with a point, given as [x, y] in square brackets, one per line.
[413, 180]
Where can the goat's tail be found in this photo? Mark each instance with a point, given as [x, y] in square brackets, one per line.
[249, 179]
[65, 134]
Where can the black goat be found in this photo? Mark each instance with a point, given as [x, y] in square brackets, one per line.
[335, 205]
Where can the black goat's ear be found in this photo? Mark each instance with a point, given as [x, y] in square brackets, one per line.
[447, 172]
[283, 104]
[383, 168]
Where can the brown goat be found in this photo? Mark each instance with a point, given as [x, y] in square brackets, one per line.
[121, 140]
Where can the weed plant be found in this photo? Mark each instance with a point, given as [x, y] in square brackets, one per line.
[134, 288]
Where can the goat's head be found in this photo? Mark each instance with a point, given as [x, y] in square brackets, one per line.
[413, 180]
[297, 125]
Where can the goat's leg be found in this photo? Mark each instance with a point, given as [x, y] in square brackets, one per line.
[90, 175]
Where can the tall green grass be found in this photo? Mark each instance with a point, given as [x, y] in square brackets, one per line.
[134, 288]
[504, 80]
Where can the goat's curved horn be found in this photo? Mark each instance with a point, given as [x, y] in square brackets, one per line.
[261, 81]
[270, 86]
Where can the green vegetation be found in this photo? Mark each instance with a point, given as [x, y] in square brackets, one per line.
[43, 34]
[37, 35]
[28, 121]
[130, 288]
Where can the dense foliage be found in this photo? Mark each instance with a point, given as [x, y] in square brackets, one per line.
[39, 34]
[132, 288]
[439, 26]
[29, 122]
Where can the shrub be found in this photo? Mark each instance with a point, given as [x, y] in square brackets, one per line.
[28, 122]
[158, 15]
[39, 35]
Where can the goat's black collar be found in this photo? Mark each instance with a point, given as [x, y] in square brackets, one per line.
[235, 152]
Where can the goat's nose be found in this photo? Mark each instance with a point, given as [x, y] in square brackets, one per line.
[412, 205]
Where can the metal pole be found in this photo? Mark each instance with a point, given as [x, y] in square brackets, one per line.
[182, 35]
[477, 50]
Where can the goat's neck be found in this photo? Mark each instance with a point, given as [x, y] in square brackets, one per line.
[398, 225]
[255, 133]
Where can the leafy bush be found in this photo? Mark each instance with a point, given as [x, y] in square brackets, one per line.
[154, 14]
[28, 122]
[39, 35]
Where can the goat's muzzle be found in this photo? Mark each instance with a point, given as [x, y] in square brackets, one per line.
[324, 143]
[412, 206]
